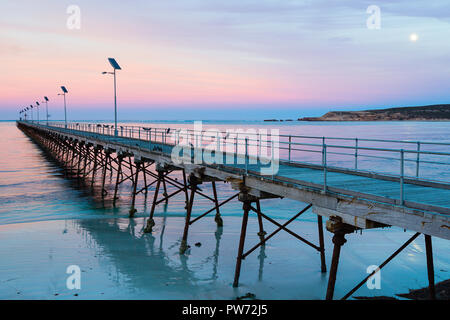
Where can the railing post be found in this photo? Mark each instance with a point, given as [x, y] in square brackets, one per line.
[196, 140]
[324, 163]
[402, 172]
[418, 159]
[246, 156]
[290, 141]
[218, 141]
[356, 153]
[272, 151]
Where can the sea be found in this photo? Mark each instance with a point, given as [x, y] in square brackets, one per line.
[50, 221]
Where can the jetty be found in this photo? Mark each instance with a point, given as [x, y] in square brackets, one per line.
[328, 174]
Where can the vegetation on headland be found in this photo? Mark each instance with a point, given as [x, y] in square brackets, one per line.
[423, 113]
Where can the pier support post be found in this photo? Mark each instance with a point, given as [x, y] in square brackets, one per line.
[150, 221]
[246, 207]
[74, 144]
[94, 170]
[340, 230]
[261, 232]
[430, 266]
[144, 172]
[338, 240]
[185, 189]
[321, 244]
[120, 157]
[165, 194]
[86, 157]
[80, 159]
[135, 182]
[193, 183]
[131, 169]
[105, 167]
[67, 151]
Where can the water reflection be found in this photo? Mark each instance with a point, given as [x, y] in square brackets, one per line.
[144, 261]
[261, 256]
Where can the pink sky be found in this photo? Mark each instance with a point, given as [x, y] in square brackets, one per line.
[203, 56]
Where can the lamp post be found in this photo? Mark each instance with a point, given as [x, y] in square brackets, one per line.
[32, 118]
[46, 107]
[64, 90]
[37, 106]
[115, 66]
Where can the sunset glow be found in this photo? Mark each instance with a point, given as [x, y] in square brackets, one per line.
[240, 56]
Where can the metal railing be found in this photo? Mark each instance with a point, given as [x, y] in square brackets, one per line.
[297, 150]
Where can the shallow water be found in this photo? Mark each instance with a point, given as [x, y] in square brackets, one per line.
[34, 189]
[118, 261]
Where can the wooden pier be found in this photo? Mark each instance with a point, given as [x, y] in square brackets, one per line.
[350, 199]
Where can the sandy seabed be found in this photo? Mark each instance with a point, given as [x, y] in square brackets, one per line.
[118, 261]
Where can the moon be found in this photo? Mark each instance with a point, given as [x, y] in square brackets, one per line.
[413, 37]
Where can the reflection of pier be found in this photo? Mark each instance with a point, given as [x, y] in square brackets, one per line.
[351, 199]
[151, 255]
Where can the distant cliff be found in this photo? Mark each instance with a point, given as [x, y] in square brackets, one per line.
[425, 113]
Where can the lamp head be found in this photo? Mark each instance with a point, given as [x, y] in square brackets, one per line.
[114, 64]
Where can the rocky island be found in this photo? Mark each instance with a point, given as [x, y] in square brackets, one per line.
[424, 113]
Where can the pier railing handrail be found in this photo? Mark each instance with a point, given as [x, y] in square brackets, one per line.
[159, 129]
[164, 132]
[160, 136]
[135, 129]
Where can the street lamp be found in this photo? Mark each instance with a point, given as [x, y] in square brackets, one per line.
[64, 90]
[115, 66]
[46, 107]
[31, 107]
[37, 106]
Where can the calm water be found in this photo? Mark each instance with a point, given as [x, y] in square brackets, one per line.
[32, 188]
[74, 225]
